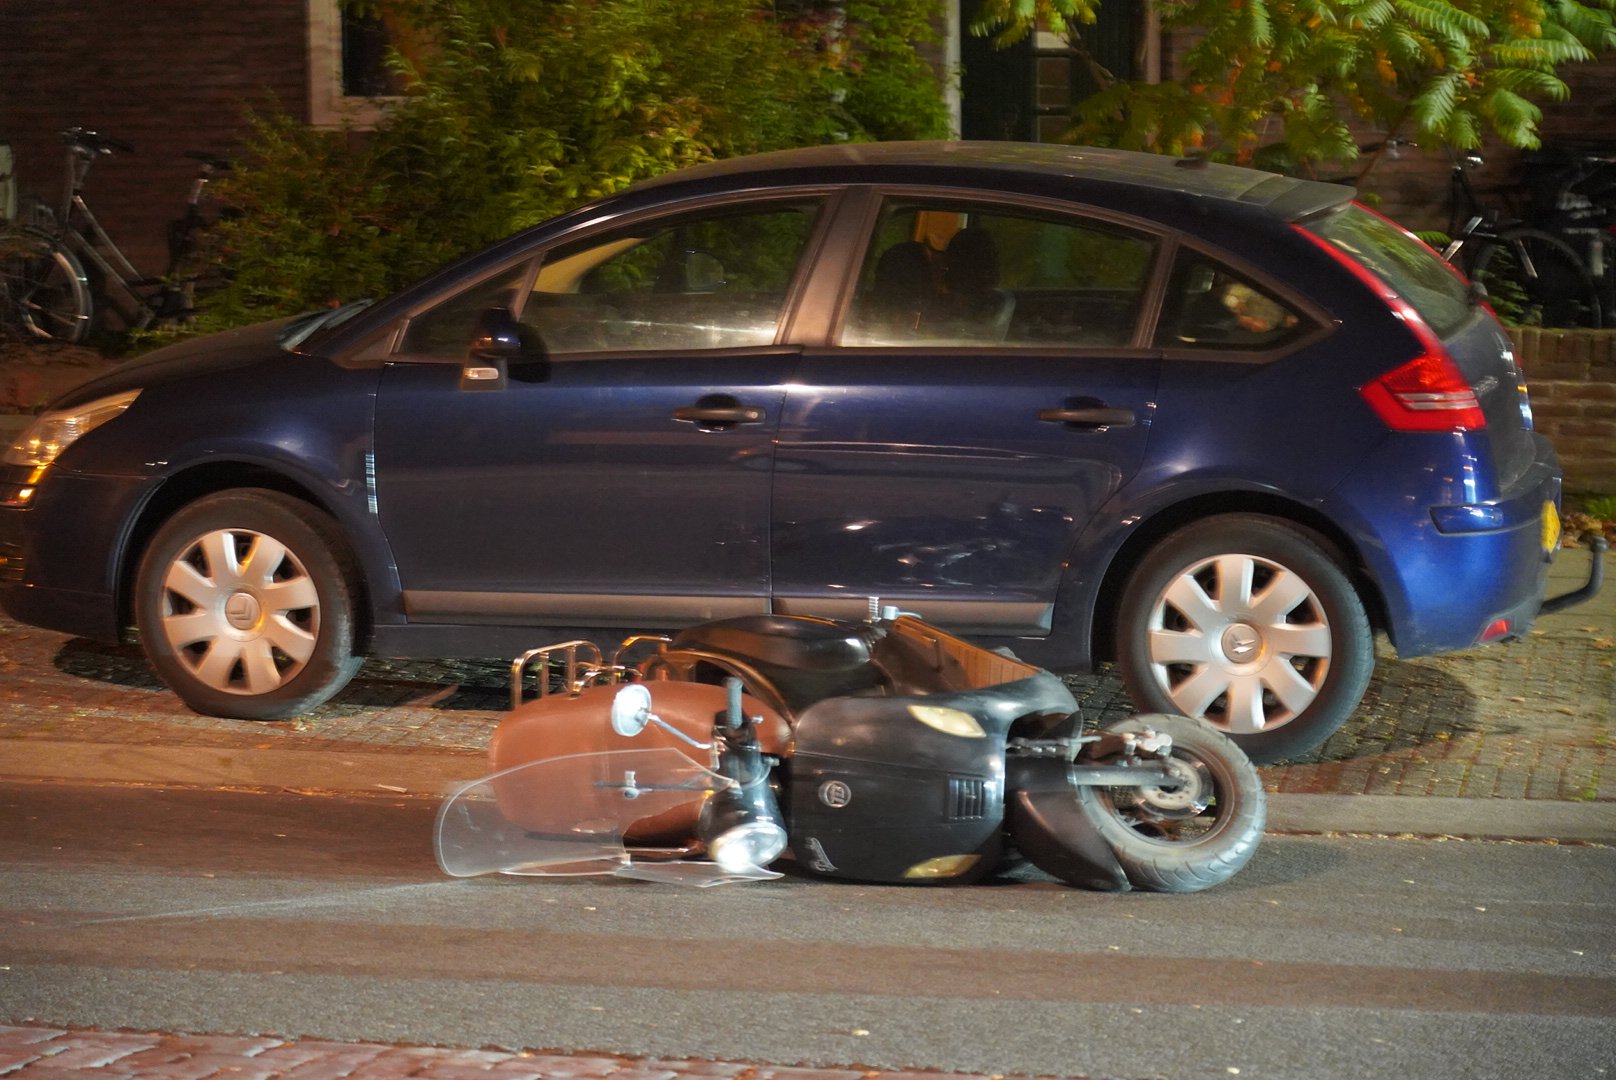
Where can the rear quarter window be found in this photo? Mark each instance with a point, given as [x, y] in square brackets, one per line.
[1210, 306]
[1401, 261]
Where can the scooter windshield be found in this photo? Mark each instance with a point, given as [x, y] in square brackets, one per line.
[626, 813]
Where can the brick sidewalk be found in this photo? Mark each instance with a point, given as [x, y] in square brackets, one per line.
[29, 1053]
[1531, 719]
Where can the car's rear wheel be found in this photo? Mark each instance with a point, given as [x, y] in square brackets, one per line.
[1251, 624]
[244, 601]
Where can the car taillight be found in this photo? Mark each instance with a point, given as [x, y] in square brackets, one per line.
[1428, 393]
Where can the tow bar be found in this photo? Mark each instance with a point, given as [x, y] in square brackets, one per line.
[1598, 545]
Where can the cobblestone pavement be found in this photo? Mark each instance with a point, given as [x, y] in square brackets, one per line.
[1530, 719]
[30, 1053]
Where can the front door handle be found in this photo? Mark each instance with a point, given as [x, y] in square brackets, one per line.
[718, 411]
[1089, 417]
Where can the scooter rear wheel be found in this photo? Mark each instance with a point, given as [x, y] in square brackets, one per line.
[1192, 835]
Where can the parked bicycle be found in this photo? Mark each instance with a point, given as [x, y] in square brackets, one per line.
[60, 270]
[1532, 276]
[1573, 196]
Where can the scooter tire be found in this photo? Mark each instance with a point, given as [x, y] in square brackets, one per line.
[1191, 837]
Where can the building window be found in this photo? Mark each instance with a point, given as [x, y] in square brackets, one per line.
[1027, 91]
[350, 83]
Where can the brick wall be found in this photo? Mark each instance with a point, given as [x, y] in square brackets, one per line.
[1572, 378]
[165, 78]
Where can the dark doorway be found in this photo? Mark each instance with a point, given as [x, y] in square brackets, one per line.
[1026, 91]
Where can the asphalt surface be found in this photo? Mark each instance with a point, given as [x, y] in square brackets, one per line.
[324, 918]
[1510, 741]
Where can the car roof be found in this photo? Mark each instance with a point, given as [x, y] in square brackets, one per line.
[1075, 169]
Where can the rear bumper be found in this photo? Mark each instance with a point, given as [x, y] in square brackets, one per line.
[1455, 572]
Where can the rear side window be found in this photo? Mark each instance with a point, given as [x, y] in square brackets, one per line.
[1400, 261]
[947, 274]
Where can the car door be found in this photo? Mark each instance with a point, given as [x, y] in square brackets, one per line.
[985, 394]
[621, 477]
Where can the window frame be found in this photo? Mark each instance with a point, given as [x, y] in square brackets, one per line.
[328, 107]
[827, 196]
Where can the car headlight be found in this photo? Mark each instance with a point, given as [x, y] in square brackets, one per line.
[44, 440]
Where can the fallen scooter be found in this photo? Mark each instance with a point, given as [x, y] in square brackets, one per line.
[877, 751]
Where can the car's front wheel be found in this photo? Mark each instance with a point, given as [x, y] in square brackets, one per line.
[244, 602]
[1251, 624]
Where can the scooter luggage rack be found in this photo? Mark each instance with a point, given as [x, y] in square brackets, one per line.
[593, 670]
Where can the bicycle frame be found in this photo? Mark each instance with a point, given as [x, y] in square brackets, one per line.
[1480, 223]
[92, 242]
[78, 235]
[1582, 214]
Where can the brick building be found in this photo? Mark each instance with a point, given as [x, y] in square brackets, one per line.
[164, 78]
[177, 76]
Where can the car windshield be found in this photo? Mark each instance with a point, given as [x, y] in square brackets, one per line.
[306, 326]
[1401, 261]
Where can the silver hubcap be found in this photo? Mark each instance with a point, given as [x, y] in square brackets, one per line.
[241, 611]
[1241, 641]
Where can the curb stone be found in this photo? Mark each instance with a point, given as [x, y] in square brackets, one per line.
[432, 775]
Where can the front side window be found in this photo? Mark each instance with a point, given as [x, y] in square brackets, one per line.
[711, 280]
[953, 274]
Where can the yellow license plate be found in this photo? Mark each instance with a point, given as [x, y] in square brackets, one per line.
[1551, 527]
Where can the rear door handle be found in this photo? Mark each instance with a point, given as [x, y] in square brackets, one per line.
[718, 411]
[1091, 417]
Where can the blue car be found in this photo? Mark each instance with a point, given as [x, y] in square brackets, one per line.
[1216, 425]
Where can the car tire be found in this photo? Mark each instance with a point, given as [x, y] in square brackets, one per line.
[237, 639]
[1250, 623]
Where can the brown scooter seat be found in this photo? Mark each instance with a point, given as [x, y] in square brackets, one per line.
[790, 661]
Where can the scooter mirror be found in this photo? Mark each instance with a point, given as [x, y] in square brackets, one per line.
[631, 710]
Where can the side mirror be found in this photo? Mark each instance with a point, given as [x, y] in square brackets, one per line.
[496, 343]
[631, 713]
[631, 709]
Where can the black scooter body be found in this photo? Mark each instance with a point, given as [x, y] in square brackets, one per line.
[915, 789]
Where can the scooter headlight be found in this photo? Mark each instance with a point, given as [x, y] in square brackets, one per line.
[741, 826]
[749, 846]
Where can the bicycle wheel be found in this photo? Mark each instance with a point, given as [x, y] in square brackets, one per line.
[1536, 279]
[46, 288]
